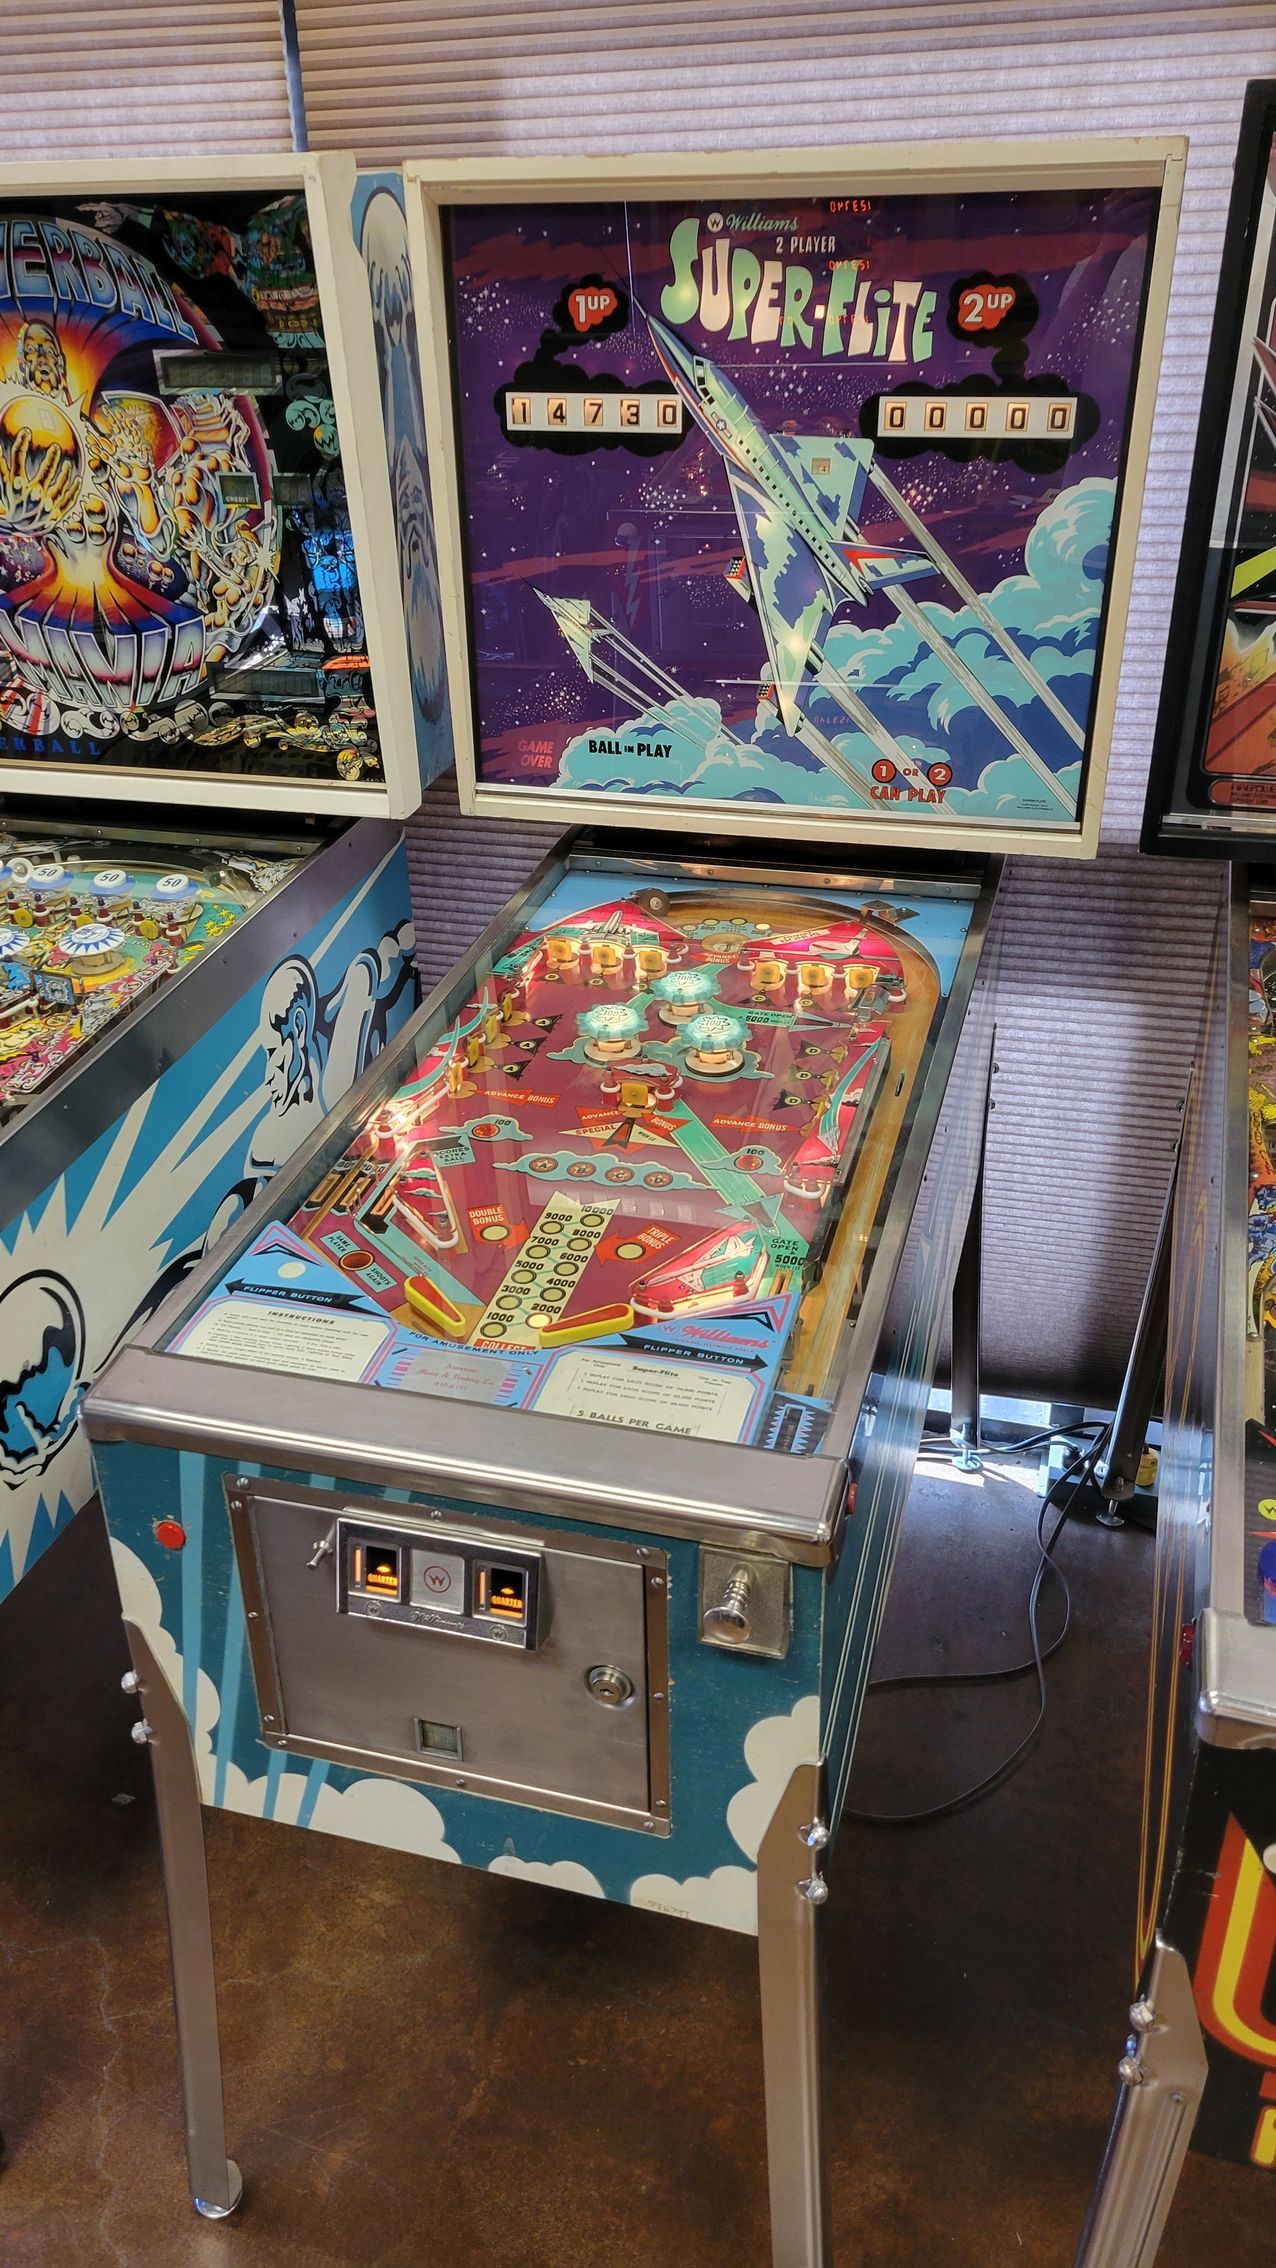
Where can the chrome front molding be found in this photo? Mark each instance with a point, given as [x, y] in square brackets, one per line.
[1236, 1701]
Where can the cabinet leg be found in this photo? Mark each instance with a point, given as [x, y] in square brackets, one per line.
[215, 2181]
[791, 1896]
[967, 1318]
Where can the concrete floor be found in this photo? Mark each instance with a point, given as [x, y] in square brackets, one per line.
[427, 2066]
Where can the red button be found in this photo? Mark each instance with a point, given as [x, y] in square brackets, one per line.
[170, 1533]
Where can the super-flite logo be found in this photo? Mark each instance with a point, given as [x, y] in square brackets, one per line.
[55, 264]
[728, 286]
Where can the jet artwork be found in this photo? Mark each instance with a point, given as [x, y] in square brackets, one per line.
[815, 509]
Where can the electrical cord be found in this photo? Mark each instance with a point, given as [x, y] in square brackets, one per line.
[943, 1447]
[1082, 1465]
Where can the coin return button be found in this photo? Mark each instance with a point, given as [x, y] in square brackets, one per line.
[438, 1581]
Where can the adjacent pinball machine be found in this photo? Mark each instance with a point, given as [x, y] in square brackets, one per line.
[1199, 2068]
[211, 717]
[786, 521]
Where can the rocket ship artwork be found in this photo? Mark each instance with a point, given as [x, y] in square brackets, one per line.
[796, 506]
[799, 502]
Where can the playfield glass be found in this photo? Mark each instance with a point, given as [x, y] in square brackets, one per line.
[636, 1174]
[177, 576]
[807, 504]
[90, 927]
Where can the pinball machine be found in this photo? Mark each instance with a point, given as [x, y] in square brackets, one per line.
[610, 1298]
[218, 696]
[1199, 2067]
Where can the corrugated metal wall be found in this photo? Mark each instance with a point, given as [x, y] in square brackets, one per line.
[1103, 965]
[142, 78]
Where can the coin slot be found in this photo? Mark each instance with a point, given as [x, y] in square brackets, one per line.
[374, 1569]
[502, 1592]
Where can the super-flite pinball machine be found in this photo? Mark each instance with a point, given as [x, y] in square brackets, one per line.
[786, 512]
[1199, 2066]
[211, 714]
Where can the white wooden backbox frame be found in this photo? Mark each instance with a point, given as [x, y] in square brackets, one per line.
[939, 168]
[328, 185]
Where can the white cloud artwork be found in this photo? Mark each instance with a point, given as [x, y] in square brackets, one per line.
[396, 1816]
[381, 1811]
[560, 1874]
[728, 1898]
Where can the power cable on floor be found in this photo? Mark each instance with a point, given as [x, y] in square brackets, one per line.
[943, 1447]
[1082, 1466]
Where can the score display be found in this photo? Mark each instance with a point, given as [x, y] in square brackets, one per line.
[544, 412]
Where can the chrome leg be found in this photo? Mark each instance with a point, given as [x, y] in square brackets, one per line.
[215, 2179]
[1163, 2074]
[967, 1319]
[791, 1896]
